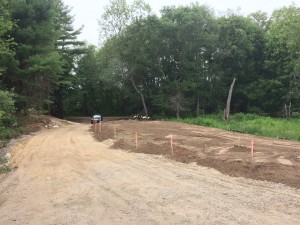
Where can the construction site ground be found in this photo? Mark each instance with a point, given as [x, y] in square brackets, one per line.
[273, 160]
[127, 172]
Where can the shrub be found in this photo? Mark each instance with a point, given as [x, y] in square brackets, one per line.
[7, 109]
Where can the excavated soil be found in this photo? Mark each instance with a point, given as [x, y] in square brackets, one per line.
[273, 160]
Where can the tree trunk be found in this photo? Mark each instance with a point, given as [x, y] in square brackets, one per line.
[178, 111]
[144, 103]
[58, 103]
[198, 105]
[227, 110]
[142, 96]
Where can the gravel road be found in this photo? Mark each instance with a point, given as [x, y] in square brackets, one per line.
[65, 177]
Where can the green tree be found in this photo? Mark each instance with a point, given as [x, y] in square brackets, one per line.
[114, 23]
[139, 53]
[5, 25]
[189, 34]
[70, 50]
[112, 72]
[260, 18]
[7, 109]
[283, 59]
[36, 64]
[5, 41]
[240, 55]
[118, 15]
[83, 96]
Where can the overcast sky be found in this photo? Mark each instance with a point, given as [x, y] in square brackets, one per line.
[87, 12]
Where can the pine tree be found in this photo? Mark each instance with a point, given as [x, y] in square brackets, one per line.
[37, 64]
[70, 49]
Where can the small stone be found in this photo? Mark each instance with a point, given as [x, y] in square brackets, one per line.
[8, 155]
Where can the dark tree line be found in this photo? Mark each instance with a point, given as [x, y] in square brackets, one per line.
[40, 54]
[180, 63]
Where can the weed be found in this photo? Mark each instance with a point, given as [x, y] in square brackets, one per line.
[4, 169]
[251, 124]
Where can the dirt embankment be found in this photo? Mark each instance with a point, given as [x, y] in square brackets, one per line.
[273, 159]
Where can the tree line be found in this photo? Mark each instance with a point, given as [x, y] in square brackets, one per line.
[39, 51]
[183, 62]
[180, 63]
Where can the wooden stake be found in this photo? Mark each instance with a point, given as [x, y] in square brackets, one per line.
[171, 141]
[252, 149]
[115, 132]
[136, 140]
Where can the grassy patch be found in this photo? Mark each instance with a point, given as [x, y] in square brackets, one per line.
[4, 169]
[251, 124]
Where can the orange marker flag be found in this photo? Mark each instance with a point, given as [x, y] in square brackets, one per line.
[252, 148]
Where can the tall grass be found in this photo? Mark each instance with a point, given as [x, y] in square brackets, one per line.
[251, 124]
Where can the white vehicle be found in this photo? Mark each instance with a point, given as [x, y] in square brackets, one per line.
[96, 119]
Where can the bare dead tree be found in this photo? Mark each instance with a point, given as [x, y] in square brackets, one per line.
[141, 94]
[227, 110]
[290, 110]
[287, 110]
[177, 104]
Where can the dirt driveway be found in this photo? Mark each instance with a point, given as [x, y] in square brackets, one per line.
[66, 177]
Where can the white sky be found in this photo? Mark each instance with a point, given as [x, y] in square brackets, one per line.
[87, 12]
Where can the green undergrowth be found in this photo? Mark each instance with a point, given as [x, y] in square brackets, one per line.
[251, 124]
[4, 168]
[6, 134]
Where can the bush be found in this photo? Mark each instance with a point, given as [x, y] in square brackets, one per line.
[7, 109]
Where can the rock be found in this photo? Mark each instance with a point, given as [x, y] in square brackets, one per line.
[55, 126]
[8, 155]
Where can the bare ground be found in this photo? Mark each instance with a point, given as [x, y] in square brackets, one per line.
[64, 176]
[273, 159]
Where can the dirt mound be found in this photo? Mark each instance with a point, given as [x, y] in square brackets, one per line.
[34, 123]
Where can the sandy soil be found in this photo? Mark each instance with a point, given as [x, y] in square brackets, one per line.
[64, 176]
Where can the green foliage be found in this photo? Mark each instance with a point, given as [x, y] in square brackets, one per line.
[240, 55]
[185, 60]
[4, 169]
[189, 36]
[282, 53]
[182, 62]
[41, 64]
[70, 50]
[34, 67]
[118, 15]
[251, 124]
[7, 117]
[7, 109]
[5, 25]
